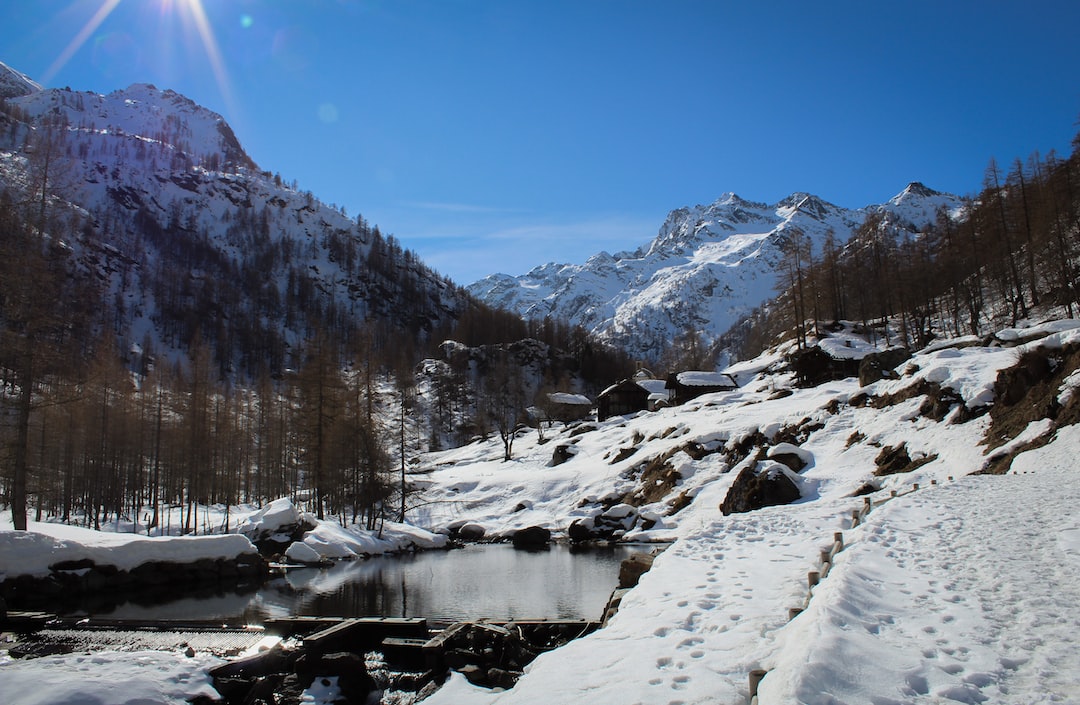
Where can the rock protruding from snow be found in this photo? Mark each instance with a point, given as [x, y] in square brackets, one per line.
[754, 490]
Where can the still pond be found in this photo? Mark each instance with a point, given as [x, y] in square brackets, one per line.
[492, 581]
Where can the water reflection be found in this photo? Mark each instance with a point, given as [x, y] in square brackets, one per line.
[493, 581]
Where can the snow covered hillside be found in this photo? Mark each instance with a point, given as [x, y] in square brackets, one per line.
[707, 267]
[957, 591]
[184, 234]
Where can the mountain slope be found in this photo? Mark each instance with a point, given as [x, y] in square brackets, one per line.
[189, 240]
[707, 267]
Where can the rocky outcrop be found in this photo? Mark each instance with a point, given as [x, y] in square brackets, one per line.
[752, 490]
[895, 459]
[609, 525]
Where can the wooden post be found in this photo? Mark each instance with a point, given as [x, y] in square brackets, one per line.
[793, 612]
[838, 538]
[854, 519]
[893, 493]
[812, 578]
[916, 486]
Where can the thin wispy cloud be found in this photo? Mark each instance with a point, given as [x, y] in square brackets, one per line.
[458, 207]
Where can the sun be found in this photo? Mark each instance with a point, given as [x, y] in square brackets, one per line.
[190, 13]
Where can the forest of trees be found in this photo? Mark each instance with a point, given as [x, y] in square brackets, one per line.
[90, 433]
[222, 404]
[1016, 247]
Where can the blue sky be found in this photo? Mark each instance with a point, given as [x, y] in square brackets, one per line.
[495, 135]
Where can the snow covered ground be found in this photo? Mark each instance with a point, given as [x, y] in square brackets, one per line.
[959, 592]
[962, 591]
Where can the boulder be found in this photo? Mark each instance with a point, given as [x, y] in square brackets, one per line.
[881, 365]
[562, 453]
[791, 455]
[532, 537]
[752, 490]
[581, 530]
[470, 532]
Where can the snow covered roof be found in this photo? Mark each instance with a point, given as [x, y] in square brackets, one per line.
[653, 386]
[567, 398]
[705, 379]
[846, 348]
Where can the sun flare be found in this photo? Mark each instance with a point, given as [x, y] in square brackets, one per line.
[192, 17]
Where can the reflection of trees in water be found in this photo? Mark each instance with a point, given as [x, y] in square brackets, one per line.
[493, 581]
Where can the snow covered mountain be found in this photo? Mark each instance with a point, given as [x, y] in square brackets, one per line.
[707, 267]
[188, 239]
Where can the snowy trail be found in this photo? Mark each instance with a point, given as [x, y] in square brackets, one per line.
[924, 607]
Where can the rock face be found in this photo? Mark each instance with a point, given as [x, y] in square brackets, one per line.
[752, 490]
[532, 537]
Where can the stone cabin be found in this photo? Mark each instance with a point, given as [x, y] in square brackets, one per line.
[684, 386]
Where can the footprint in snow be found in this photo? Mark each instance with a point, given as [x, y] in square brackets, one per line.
[917, 683]
[1012, 663]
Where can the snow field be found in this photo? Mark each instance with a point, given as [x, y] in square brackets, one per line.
[961, 593]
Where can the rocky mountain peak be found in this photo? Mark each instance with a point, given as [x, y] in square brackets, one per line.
[707, 267]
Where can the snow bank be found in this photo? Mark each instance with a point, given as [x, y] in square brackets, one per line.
[331, 541]
[898, 620]
[117, 678]
[328, 540]
[32, 552]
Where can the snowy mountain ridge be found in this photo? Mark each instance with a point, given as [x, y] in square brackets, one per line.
[708, 266]
[14, 84]
[183, 231]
